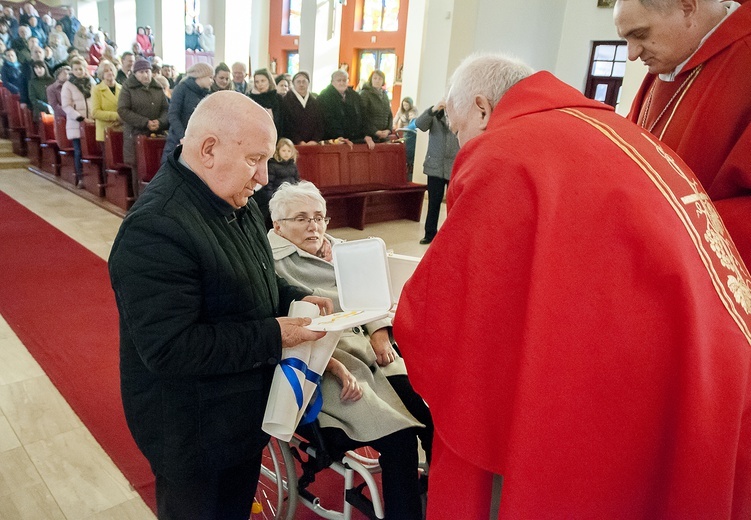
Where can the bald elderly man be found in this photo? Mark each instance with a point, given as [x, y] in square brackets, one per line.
[200, 307]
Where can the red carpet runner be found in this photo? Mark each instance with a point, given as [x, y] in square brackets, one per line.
[56, 296]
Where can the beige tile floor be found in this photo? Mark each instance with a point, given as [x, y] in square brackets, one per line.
[50, 465]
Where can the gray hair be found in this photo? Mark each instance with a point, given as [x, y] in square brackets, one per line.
[200, 70]
[658, 5]
[488, 75]
[339, 72]
[290, 196]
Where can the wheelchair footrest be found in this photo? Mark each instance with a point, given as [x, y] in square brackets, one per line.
[356, 497]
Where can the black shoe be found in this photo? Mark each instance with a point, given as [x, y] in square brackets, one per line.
[426, 240]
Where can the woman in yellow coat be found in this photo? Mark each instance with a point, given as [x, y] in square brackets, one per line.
[104, 99]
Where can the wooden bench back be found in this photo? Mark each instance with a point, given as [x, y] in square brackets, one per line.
[47, 128]
[61, 136]
[149, 152]
[338, 165]
[28, 122]
[90, 147]
[13, 109]
[113, 148]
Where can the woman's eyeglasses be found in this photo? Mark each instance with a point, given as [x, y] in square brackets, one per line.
[300, 220]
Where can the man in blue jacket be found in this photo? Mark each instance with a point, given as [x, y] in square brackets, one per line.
[200, 307]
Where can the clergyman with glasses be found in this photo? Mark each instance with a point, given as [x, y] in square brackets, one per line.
[201, 326]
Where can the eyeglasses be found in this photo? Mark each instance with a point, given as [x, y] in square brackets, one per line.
[304, 221]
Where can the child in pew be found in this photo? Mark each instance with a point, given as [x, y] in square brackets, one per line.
[282, 168]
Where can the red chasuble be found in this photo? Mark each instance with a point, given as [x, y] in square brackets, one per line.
[580, 325]
[705, 116]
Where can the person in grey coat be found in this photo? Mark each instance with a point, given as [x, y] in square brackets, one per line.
[442, 149]
[143, 108]
[367, 397]
[186, 96]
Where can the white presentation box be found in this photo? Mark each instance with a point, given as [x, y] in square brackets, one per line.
[364, 281]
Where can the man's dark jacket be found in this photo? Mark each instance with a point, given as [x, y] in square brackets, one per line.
[342, 116]
[195, 286]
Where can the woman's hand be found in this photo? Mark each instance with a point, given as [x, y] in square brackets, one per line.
[325, 305]
[325, 251]
[383, 134]
[384, 351]
[351, 389]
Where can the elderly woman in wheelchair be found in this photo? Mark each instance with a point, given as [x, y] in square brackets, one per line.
[367, 398]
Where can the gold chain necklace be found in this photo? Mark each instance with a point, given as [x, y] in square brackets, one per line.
[684, 86]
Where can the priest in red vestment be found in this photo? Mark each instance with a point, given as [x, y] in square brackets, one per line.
[697, 95]
[580, 324]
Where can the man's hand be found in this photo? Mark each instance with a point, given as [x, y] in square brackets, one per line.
[441, 105]
[294, 331]
[384, 351]
[325, 305]
[153, 125]
[383, 134]
[369, 142]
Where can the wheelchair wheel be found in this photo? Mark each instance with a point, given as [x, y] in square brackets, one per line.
[276, 494]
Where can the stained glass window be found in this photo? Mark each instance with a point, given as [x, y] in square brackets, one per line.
[294, 17]
[293, 63]
[385, 61]
[380, 15]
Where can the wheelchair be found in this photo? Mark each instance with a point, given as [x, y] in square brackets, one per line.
[280, 491]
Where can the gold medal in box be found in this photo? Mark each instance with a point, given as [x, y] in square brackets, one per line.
[364, 283]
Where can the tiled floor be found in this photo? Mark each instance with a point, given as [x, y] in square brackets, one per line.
[50, 465]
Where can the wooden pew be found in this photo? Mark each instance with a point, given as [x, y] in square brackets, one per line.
[16, 128]
[118, 188]
[32, 140]
[149, 153]
[92, 160]
[3, 114]
[65, 152]
[362, 186]
[50, 157]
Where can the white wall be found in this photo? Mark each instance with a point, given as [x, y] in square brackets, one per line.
[105, 16]
[233, 43]
[145, 15]
[169, 39]
[584, 23]
[635, 72]
[529, 30]
[88, 13]
[259, 35]
[124, 18]
[434, 50]
[328, 37]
